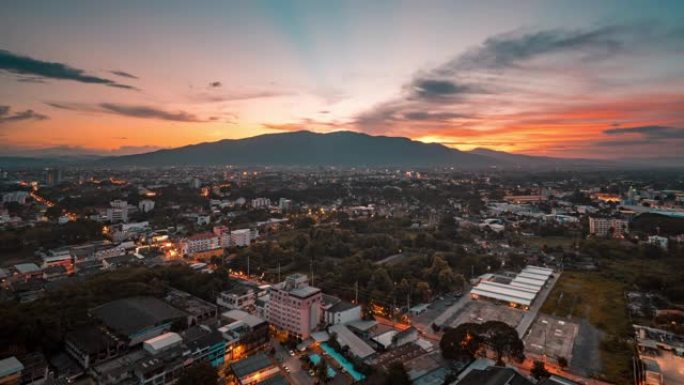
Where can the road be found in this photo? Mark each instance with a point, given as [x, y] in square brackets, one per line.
[297, 375]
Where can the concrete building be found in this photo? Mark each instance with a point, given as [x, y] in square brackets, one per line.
[15, 196]
[260, 203]
[10, 371]
[603, 227]
[659, 241]
[294, 306]
[253, 369]
[146, 205]
[118, 211]
[239, 297]
[341, 313]
[200, 242]
[241, 238]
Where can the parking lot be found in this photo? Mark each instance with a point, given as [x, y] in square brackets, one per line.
[551, 337]
[482, 311]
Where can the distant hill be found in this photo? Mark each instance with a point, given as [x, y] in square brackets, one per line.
[304, 148]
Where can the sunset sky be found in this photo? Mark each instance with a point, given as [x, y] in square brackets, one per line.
[600, 79]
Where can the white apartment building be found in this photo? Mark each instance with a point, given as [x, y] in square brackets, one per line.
[603, 227]
[199, 242]
[118, 212]
[241, 238]
[146, 205]
[294, 306]
[261, 203]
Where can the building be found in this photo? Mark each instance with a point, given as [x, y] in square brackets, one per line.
[241, 238]
[198, 310]
[53, 176]
[494, 375]
[520, 291]
[341, 312]
[199, 243]
[659, 241]
[92, 345]
[118, 211]
[253, 369]
[244, 334]
[604, 227]
[137, 319]
[10, 371]
[285, 204]
[223, 234]
[239, 297]
[146, 205]
[294, 306]
[260, 203]
[15, 196]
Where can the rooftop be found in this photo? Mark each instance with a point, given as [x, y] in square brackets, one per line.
[250, 364]
[9, 366]
[130, 315]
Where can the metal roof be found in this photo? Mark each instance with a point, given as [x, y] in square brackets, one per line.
[9, 366]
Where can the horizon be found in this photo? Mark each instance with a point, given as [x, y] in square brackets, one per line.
[558, 79]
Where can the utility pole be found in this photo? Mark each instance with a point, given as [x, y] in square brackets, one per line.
[356, 292]
[247, 265]
[312, 273]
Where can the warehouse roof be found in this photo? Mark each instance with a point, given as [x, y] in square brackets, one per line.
[347, 338]
[130, 315]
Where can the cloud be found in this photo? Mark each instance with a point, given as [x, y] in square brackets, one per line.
[124, 74]
[7, 117]
[649, 132]
[26, 66]
[136, 111]
[215, 84]
[237, 96]
[539, 88]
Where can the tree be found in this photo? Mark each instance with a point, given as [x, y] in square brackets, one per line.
[462, 342]
[503, 340]
[200, 374]
[563, 362]
[539, 370]
[396, 374]
[321, 372]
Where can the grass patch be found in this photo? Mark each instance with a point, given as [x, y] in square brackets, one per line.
[599, 299]
[554, 241]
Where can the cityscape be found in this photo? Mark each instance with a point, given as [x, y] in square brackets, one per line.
[300, 192]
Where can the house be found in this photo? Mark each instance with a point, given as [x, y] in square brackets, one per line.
[341, 313]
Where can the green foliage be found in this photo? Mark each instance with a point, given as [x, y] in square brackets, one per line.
[396, 374]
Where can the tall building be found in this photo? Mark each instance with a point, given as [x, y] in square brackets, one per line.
[118, 212]
[53, 176]
[604, 227]
[294, 306]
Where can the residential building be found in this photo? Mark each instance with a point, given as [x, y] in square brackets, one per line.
[240, 237]
[199, 243]
[238, 297]
[294, 306]
[253, 369]
[341, 313]
[604, 227]
[118, 211]
[146, 205]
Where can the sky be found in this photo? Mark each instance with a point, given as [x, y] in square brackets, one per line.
[591, 79]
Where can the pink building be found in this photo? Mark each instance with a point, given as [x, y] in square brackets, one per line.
[294, 306]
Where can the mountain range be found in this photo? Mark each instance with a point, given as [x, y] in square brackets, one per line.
[342, 148]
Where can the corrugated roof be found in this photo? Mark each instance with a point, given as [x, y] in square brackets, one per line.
[9, 366]
[347, 338]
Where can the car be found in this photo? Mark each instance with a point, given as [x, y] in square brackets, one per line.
[287, 369]
[291, 353]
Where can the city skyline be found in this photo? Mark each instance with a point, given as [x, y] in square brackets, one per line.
[562, 79]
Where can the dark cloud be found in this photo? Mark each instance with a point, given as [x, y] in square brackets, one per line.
[239, 96]
[136, 111]
[26, 66]
[215, 84]
[430, 88]
[124, 74]
[149, 112]
[7, 117]
[649, 132]
[517, 71]
[423, 115]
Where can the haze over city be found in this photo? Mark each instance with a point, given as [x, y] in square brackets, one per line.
[562, 78]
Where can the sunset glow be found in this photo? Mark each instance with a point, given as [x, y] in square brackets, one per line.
[596, 80]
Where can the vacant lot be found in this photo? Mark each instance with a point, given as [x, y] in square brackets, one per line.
[599, 298]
